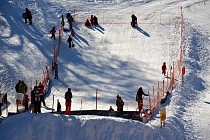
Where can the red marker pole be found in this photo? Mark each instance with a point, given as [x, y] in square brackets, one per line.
[96, 98]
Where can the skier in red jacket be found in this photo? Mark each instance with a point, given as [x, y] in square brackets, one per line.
[164, 68]
[52, 31]
[87, 23]
[91, 20]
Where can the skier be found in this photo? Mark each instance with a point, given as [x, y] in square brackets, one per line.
[87, 23]
[62, 21]
[111, 111]
[164, 68]
[52, 31]
[95, 20]
[70, 20]
[70, 42]
[17, 86]
[28, 16]
[37, 103]
[68, 96]
[134, 20]
[119, 104]
[91, 20]
[23, 87]
[139, 98]
[41, 89]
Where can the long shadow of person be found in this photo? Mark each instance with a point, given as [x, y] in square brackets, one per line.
[142, 31]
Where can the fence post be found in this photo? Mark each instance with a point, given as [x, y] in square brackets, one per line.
[163, 87]
[96, 98]
[153, 91]
[53, 103]
[126, 103]
[81, 104]
[150, 104]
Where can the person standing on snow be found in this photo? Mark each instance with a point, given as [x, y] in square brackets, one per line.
[28, 16]
[23, 87]
[52, 31]
[139, 98]
[37, 101]
[92, 20]
[41, 89]
[17, 86]
[134, 20]
[119, 104]
[95, 20]
[19, 96]
[62, 21]
[87, 23]
[68, 96]
[70, 20]
[164, 68]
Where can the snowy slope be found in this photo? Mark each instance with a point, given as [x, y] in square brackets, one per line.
[114, 58]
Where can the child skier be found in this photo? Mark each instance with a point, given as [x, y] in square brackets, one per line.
[52, 31]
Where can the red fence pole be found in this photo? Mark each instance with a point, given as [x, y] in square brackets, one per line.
[53, 103]
[153, 91]
[81, 105]
[150, 104]
[127, 103]
[96, 98]
[163, 87]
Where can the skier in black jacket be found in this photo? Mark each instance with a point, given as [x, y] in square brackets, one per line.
[119, 104]
[68, 96]
[139, 98]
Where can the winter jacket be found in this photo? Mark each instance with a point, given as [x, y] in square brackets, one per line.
[95, 20]
[68, 95]
[32, 96]
[119, 104]
[92, 20]
[28, 14]
[41, 89]
[87, 23]
[23, 88]
[56, 68]
[37, 95]
[52, 31]
[163, 68]
[17, 87]
[139, 94]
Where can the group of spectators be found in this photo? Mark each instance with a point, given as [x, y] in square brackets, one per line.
[37, 96]
[93, 21]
